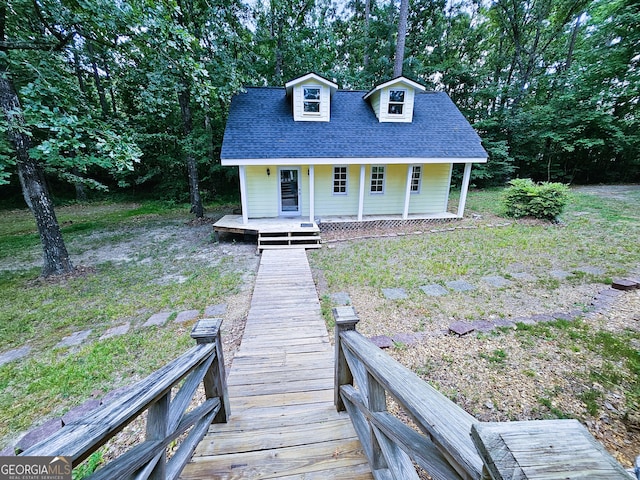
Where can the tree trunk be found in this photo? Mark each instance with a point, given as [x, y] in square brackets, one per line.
[367, 15]
[402, 36]
[184, 97]
[34, 188]
[98, 82]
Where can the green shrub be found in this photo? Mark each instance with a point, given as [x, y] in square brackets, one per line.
[524, 198]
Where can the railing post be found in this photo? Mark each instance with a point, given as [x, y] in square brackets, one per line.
[346, 319]
[207, 330]
[157, 429]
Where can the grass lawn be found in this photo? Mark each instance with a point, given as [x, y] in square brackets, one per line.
[140, 259]
[145, 258]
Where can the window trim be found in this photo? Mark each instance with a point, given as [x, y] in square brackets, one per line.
[346, 180]
[382, 181]
[419, 178]
[319, 101]
[402, 104]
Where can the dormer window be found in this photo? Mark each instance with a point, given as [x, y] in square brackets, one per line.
[310, 97]
[311, 100]
[393, 101]
[396, 102]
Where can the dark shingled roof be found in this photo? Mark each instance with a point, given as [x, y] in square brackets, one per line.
[261, 126]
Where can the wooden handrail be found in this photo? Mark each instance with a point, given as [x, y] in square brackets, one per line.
[167, 418]
[364, 376]
[448, 442]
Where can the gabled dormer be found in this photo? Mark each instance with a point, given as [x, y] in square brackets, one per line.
[392, 101]
[310, 97]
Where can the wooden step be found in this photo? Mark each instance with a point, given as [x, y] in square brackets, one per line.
[273, 240]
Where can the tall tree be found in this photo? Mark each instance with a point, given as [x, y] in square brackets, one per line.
[401, 38]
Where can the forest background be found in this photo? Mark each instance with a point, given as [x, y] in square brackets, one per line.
[131, 95]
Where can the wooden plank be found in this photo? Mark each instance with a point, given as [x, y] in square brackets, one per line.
[283, 423]
[545, 450]
[277, 463]
[276, 436]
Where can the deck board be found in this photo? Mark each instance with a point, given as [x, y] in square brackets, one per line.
[283, 423]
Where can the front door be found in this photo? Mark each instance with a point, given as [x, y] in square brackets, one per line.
[290, 192]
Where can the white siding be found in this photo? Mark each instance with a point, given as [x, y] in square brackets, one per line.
[407, 112]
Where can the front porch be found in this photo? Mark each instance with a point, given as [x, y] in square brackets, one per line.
[299, 232]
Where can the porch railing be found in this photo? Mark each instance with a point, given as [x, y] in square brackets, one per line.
[167, 417]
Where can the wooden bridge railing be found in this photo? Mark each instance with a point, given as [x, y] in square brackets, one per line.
[444, 450]
[448, 442]
[167, 418]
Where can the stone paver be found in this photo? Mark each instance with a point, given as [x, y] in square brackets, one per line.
[157, 319]
[483, 325]
[524, 276]
[405, 338]
[15, 354]
[460, 286]
[560, 274]
[394, 293]
[38, 434]
[116, 331]
[215, 310]
[187, 315]
[80, 411]
[340, 298]
[496, 281]
[434, 290]
[382, 341]
[591, 270]
[74, 339]
[461, 328]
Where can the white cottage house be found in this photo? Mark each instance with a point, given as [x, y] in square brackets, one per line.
[313, 154]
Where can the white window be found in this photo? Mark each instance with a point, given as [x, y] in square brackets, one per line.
[377, 179]
[311, 97]
[396, 102]
[416, 178]
[340, 180]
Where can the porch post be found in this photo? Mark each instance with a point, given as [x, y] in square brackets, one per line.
[407, 192]
[243, 194]
[361, 197]
[312, 194]
[464, 189]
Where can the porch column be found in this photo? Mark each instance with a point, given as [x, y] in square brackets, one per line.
[361, 197]
[312, 194]
[464, 189]
[407, 193]
[243, 194]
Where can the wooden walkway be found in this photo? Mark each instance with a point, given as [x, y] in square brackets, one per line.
[283, 422]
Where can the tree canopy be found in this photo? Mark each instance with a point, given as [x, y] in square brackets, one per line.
[133, 94]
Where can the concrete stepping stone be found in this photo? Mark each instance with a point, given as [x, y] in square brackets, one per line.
[80, 411]
[74, 339]
[461, 328]
[625, 284]
[340, 298]
[560, 274]
[434, 290]
[39, 434]
[394, 293]
[215, 310]
[524, 276]
[542, 317]
[116, 331]
[460, 286]
[496, 281]
[157, 319]
[15, 354]
[382, 341]
[591, 270]
[405, 338]
[483, 325]
[504, 323]
[187, 315]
